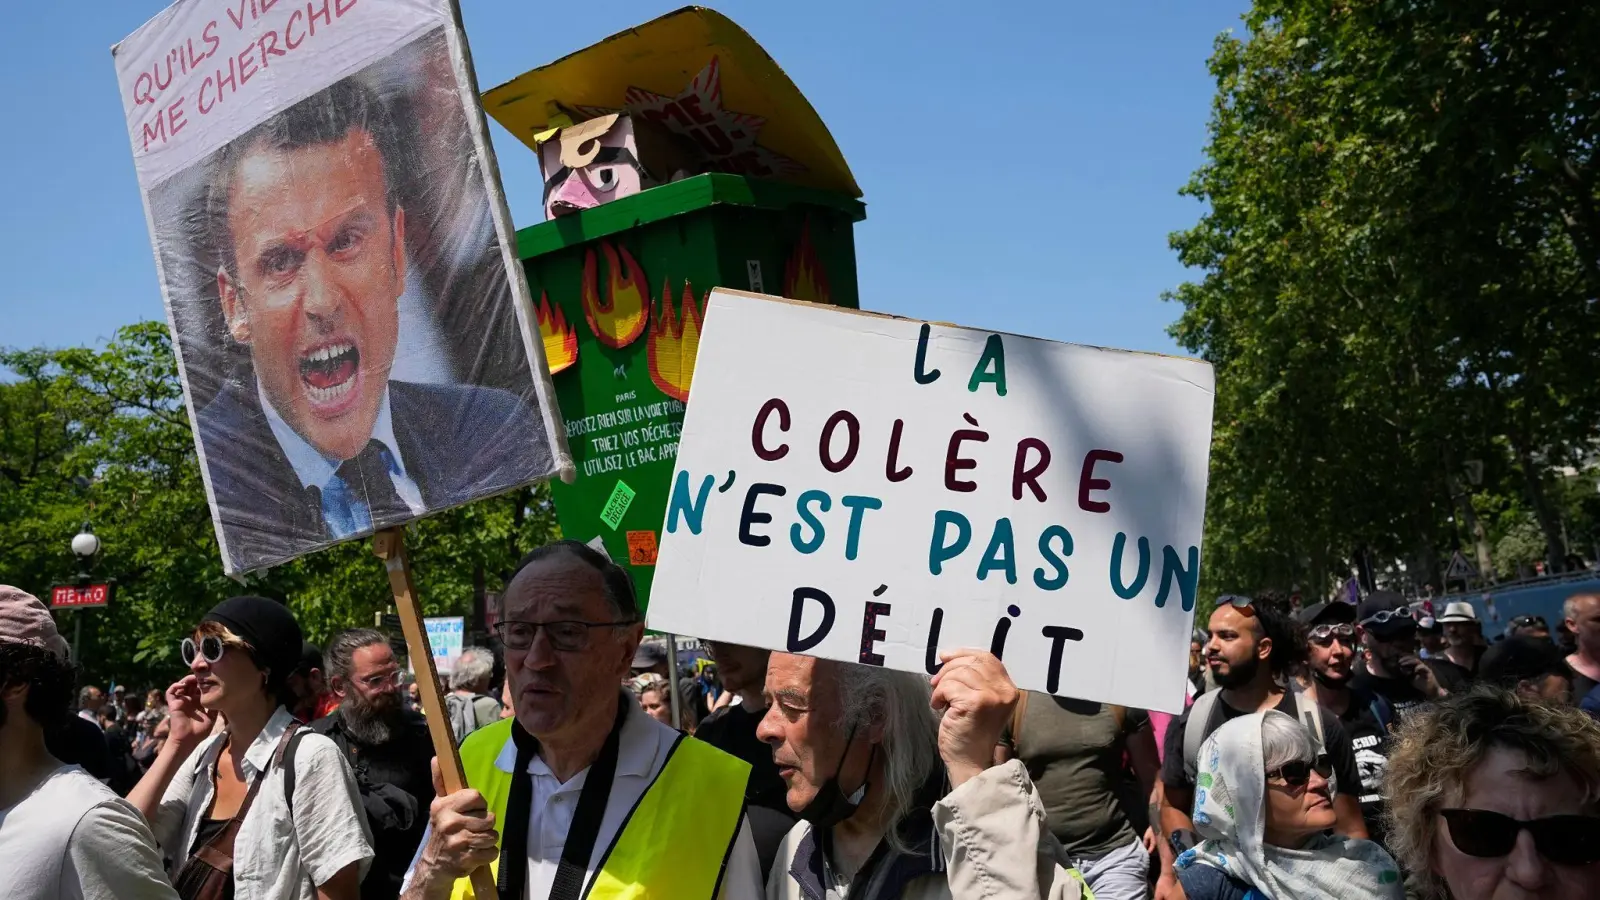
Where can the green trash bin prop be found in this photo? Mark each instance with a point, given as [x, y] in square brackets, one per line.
[677, 157]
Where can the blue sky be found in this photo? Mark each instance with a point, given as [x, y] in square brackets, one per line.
[1020, 161]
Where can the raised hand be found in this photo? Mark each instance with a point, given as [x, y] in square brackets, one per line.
[189, 723]
[977, 697]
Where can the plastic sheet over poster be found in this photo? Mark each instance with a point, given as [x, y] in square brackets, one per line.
[875, 490]
[352, 327]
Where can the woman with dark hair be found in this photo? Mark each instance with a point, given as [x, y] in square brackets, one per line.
[264, 809]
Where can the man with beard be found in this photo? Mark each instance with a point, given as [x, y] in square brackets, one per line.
[1388, 629]
[1366, 716]
[1250, 652]
[387, 746]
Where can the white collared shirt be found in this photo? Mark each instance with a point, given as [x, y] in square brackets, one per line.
[315, 470]
[275, 857]
[641, 754]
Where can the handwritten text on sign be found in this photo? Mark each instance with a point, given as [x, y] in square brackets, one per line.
[874, 490]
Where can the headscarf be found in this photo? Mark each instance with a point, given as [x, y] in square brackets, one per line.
[1230, 813]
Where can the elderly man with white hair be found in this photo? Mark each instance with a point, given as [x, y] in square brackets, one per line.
[892, 777]
[468, 703]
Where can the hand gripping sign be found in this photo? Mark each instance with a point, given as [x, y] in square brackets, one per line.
[874, 489]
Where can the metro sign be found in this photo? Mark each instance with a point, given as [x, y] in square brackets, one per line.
[68, 596]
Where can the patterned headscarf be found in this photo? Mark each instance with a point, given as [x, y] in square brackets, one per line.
[1230, 813]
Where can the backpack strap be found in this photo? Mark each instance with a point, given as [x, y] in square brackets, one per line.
[1017, 713]
[1383, 711]
[286, 762]
[1196, 728]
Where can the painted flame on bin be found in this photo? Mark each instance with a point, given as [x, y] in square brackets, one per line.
[620, 317]
[804, 277]
[674, 341]
[560, 339]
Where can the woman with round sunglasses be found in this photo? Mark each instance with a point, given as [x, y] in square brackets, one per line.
[262, 809]
[1263, 803]
[1495, 796]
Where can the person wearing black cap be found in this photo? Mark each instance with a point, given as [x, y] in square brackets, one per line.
[1366, 716]
[1530, 666]
[264, 802]
[1388, 627]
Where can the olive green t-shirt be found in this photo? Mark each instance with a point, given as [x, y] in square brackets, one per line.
[1074, 751]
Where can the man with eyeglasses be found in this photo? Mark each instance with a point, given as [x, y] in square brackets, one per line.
[581, 792]
[386, 745]
[1250, 652]
[1366, 716]
[1393, 671]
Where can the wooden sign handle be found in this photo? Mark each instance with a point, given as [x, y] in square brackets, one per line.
[390, 546]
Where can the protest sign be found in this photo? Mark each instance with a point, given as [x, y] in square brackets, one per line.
[872, 489]
[337, 262]
[444, 639]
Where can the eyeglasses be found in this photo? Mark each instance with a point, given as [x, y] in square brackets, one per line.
[1566, 840]
[211, 647]
[1401, 616]
[1529, 622]
[1297, 774]
[567, 637]
[1245, 605]
[375, 682]
[1325, 635]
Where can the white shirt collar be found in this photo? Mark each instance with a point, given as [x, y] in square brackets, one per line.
[314, 469]
[640, 744]
[259, 754]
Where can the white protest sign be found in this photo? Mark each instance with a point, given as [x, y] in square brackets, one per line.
[874, 490]
[444, 639]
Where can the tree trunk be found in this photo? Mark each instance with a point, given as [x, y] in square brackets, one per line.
[1555, 550]
[1461, 495]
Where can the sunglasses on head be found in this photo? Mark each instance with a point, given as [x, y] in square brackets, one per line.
[1529, 622]
[1565, 840]
[210, 647]
[1325, 635]
[1245, 605]
[1403, 615]
[1297, 774]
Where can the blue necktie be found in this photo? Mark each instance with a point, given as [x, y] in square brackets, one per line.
[360, 496]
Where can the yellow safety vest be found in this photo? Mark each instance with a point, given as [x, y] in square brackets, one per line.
[674, 844]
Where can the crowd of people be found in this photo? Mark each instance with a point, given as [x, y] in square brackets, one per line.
[1325, 751]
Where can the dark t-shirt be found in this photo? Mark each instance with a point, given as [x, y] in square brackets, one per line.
[1368, 721]
[80, 742]
[1073, 750]
[396, 787]
[1582, 685]
[1335, 738]
[732, 730]
[1453, 678]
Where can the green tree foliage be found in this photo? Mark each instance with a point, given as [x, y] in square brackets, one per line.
[102, 436]
[1400, 263]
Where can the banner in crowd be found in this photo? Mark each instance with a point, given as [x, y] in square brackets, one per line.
[444, 639]
[337, 262]
[876, 490]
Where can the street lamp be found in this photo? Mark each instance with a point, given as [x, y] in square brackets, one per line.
[84, 546]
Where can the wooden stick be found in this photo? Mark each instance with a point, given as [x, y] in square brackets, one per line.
[390, 546]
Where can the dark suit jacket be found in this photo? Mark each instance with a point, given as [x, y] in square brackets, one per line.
[456, 442]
